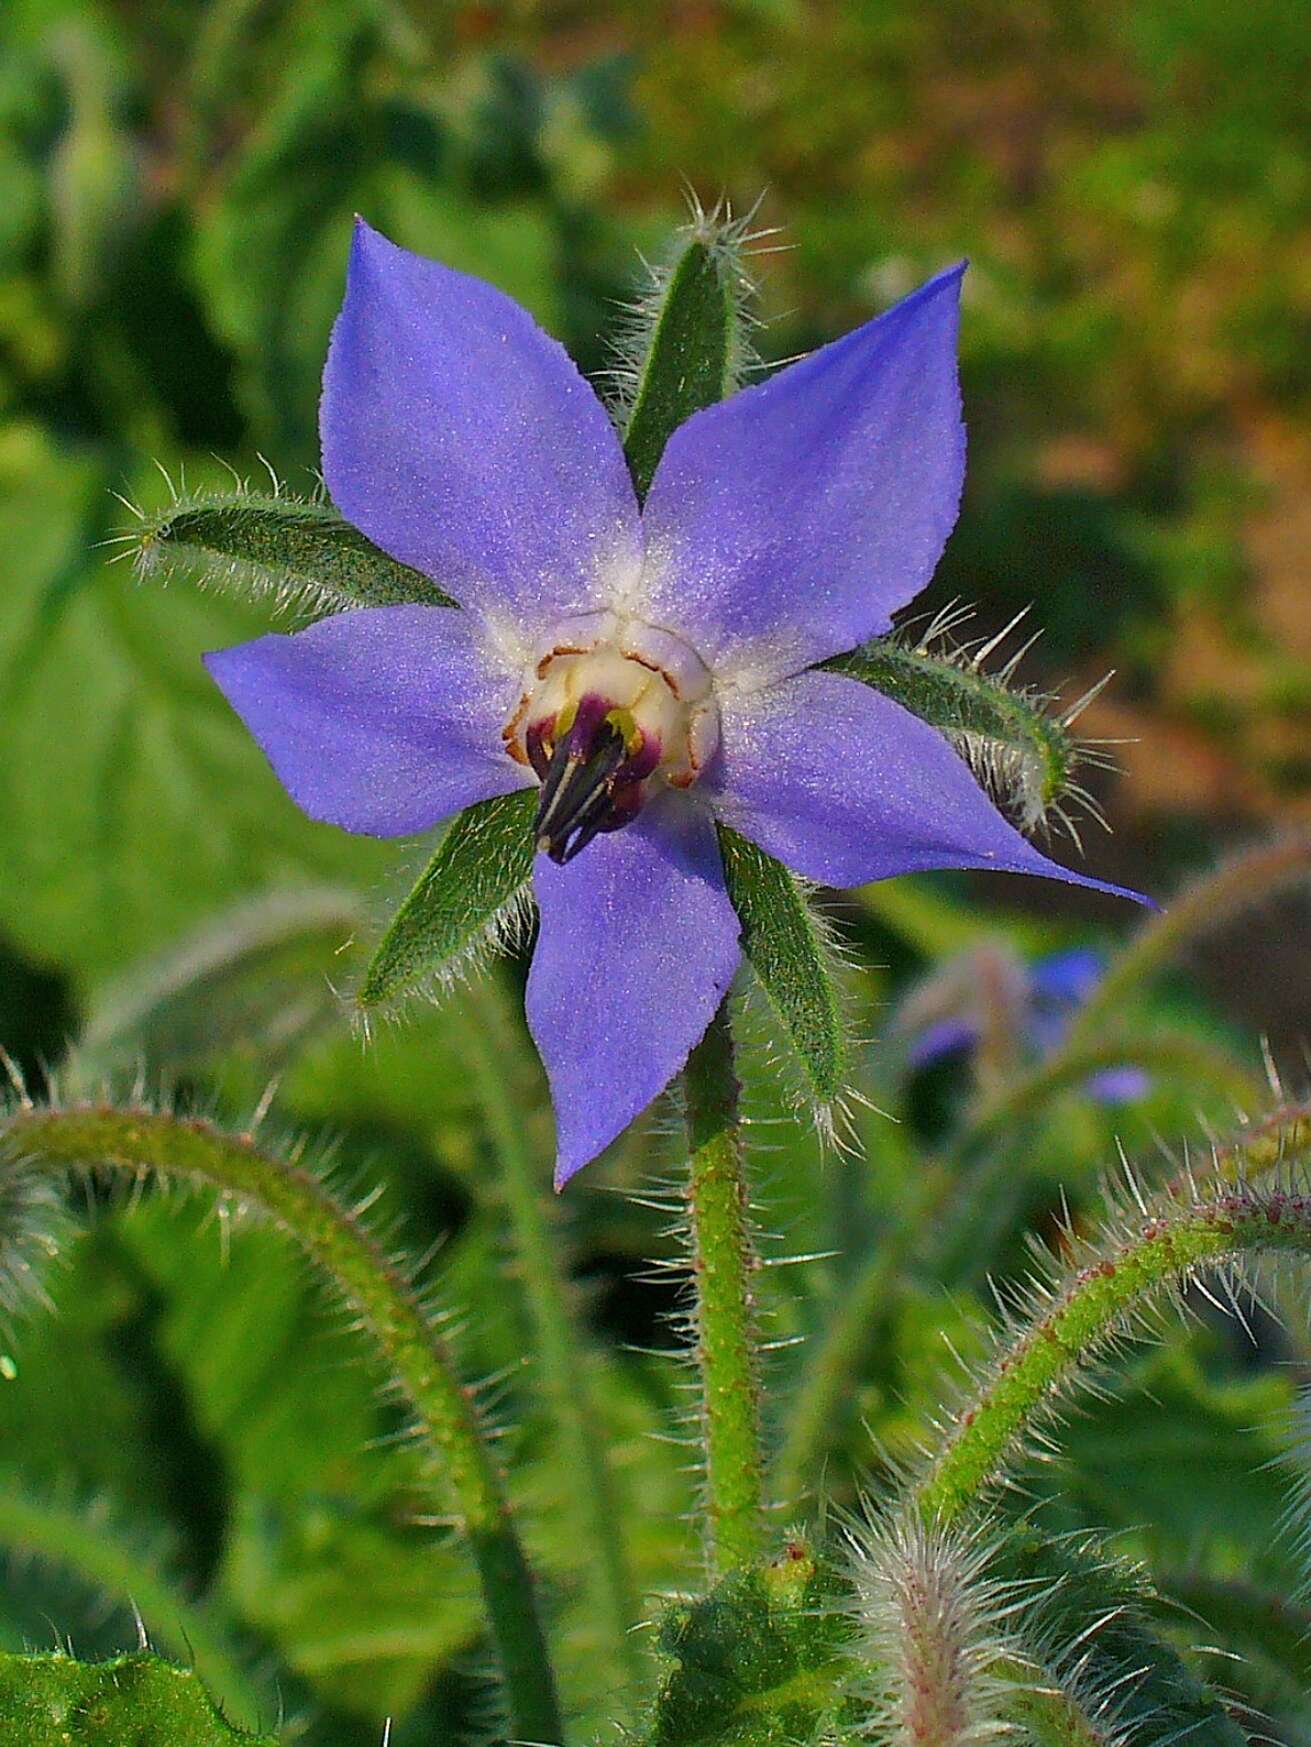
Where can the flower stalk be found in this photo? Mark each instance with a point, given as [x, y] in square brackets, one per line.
[723, 1262]
[564, 1366]
[138, 1143]
[1072, 1324]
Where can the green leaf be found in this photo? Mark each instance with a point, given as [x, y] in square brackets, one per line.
[1028, 756]
[255, 980]
[686, 348]
[759, 1660]
[135, 802]
[294, 549]
[786, 945]
[117, 1562]
[470, 889]
[1087, 1620]
[133, 1701]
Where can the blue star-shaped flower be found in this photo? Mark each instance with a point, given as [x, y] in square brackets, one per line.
[654, 669]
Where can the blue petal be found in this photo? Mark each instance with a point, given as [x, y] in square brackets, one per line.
[464, 441]
[1115, 1086]
[637, 947]
[942, 1039]
[846, 786]
[788, 523]
[1067, 978]
[382, 721]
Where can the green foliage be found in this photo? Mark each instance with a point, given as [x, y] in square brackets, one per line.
[758, 1660]
[138, 1142]
[471, 893]
[296, 550]
[790, 952]
[1025, 754]
[133, 1701]
[176, 195]
[1086, 1621]
[686, 347]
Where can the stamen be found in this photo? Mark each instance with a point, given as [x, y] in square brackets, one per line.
[612, 709]
[576, 791]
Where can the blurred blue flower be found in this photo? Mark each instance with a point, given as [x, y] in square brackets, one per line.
[653, 670]
[1034, 1003]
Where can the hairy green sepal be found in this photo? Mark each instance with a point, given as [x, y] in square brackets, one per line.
[133, 1701]
[1005, 731]
[785, 944]
[689, 360]
[473, 882]
[295, 549]
[762, 1659]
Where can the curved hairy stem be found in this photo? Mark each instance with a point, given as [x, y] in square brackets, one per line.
[1262, 1147]
[983, 1169]
[1238, 885]
[139, 1142]
[723, 1261]
[1071, 1323]
[86, 1545]
[1280, 1137]
[565, 1367]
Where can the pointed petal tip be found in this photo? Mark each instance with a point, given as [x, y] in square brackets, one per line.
[565, 1171]
[1054, 870]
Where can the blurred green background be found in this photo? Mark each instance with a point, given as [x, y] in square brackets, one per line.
[1132, 184]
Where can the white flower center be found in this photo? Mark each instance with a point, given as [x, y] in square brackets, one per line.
[611, 707]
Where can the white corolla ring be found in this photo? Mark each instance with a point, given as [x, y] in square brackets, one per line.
[610, 706]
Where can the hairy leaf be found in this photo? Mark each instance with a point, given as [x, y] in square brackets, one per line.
[133, 1701]
[1086, 1620]
[788, 951]
[759, 1660]
[472, 886]
[686, 348]
[1025, 754]
[295, 549]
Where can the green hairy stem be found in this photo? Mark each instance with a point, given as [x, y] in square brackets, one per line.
[723, 1261]
[950, 1209]
[1089, 1308]
[141, 1142]
[565, 1366]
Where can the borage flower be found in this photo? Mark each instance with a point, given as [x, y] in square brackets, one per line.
[989, 1003]
[654, 670]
